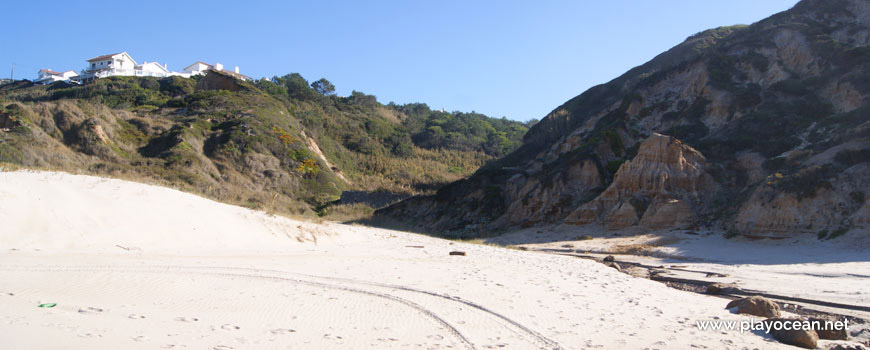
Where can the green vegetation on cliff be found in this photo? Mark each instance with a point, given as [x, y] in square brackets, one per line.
[282, 145]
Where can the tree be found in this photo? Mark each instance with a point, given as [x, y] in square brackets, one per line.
[400, 144]
[297, 87]
[361, 99]
[323, 87]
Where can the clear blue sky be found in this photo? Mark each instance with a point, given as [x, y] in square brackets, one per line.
[518, 59]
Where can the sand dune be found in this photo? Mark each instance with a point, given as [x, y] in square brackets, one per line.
[133, 266]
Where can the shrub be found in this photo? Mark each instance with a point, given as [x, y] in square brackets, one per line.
[858, 197]
[822, 234]
[806, 182]
[286, 138]
[308, 167]
[613, 165]
[852, 157]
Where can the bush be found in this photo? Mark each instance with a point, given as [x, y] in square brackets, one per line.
[308, 167]
[852, 157]
[806, 182]
[176, 86]
[613, 166]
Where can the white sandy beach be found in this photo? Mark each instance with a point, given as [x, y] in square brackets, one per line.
[836, 271]
[134, 266]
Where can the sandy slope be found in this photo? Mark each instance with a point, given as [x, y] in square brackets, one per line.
[194, 274]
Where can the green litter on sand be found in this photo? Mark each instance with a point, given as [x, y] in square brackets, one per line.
[48, 305]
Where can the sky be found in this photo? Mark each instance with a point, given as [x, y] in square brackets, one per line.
[514, 59]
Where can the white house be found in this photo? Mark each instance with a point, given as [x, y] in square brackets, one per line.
[197, 67]
[109, 65]
[151, 69]
[122, 64]
[48, 76]
[200, 67]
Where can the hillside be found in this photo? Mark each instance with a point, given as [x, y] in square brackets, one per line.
[281, 145]
[753, 130]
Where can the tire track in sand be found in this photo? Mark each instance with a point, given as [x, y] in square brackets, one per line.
[532, 336]
[336, 283]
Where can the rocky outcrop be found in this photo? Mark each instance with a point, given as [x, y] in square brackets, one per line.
[811, 201]
[829, 329]
[214, 80]
[721, 288]
[804, 338]
[755, 305]
[538, 202]
[661, 187]
[770, 137]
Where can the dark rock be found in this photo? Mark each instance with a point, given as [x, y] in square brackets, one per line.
[847, 347]
[755, 305]
[456, 252]
[214, 80]
[609, 258]
[830, 334]
[807, 339]
[722, 288]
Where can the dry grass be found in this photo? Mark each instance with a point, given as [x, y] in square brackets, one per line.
[483, 241]
[413, 174]
[644, 249]
[348, 212]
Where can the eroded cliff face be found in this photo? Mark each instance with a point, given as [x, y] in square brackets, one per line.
[757, 130]
[532, 201]
[838, 204]
[662, 187]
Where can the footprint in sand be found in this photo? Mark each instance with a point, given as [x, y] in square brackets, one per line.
[186, 319]
[222, 347]
[282, 331]
[229, 327]
[336, 338]
[140, 338]
[90, 310]
[135, 316]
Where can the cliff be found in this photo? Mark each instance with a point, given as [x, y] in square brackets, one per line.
[759, 129]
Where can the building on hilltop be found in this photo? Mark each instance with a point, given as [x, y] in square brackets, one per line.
[200, 67]
[109, 65]
[48, 76]
[122, 64]
[151, 69]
